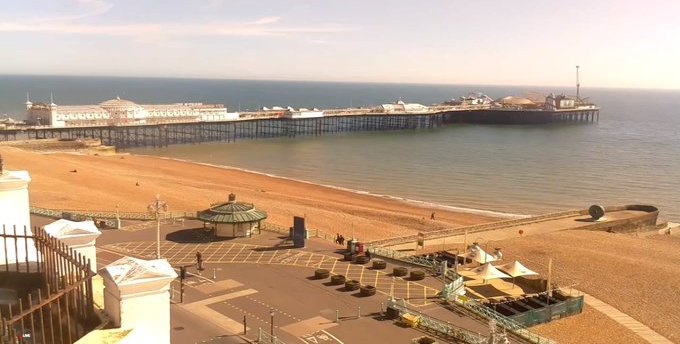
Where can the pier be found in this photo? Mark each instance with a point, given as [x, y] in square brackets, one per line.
[256, 126]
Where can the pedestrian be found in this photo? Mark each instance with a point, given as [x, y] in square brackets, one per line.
[432, 216]
[337, 238]
[199, 260]
[342, 240]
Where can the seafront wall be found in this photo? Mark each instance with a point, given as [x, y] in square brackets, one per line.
[645, 221]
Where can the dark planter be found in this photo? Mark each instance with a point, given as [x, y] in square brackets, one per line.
[351, 285]
[367, 290]
[417, 275]
[337, 279]
[348, 256]
[321, 274]
[361, 260]
[379, 264]
[400, 271]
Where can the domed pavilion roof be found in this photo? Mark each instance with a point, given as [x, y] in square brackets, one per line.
[232, 212]
[118, 104]
[510, 100]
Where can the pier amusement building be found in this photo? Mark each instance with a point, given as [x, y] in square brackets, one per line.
[123, 112]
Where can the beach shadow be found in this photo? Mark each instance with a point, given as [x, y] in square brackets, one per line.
[193, 236]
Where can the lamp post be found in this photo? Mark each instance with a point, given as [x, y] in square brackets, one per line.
[271, 323]
[157, 207]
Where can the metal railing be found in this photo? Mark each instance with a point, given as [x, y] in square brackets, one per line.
[105, 214]
[441, 328]
[502, 320]
[53, 285]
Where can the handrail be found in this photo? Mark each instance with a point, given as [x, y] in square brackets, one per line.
[442, 328]
[502, 320]
[104, 214]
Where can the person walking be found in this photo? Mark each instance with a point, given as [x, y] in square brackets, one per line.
[337, 238]
[342, 240]
[432, 216]
[199, 261]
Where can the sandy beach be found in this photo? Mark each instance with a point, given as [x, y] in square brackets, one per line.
[637, 275]
[102, 182]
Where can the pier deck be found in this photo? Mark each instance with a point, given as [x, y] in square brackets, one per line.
[252, 127]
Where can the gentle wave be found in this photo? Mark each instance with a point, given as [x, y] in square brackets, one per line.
[423, 204]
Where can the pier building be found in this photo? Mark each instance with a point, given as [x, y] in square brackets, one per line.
[401, 107]
[123, 112]
[302, 113]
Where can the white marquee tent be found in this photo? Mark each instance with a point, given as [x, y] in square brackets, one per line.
[488, 271]
[516, 269]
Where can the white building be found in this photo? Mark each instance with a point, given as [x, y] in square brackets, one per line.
[15, 218]
[553, 102]
[302, 113]
[401, 107]
[124, 112]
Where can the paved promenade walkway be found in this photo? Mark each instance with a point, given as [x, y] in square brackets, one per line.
[640, 329]
[416, 294]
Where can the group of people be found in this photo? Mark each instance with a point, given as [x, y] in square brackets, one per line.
[339, 239]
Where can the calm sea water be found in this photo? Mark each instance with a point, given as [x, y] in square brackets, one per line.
[631, 156]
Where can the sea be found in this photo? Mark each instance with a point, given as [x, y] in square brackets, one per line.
[631, 156]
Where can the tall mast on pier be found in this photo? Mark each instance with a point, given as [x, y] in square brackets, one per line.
[578, 86]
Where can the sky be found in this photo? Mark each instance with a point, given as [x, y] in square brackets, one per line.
[617, 43]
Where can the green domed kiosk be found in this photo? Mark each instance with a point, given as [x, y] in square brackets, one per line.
[233, 219]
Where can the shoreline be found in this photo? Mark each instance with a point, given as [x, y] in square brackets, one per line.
[423, 204]
[128, 181]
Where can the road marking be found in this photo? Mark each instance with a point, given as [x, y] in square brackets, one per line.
[332, 336]
[236, 255]
[249, 253]
[334, 263]
[272, 258]
[361, 276]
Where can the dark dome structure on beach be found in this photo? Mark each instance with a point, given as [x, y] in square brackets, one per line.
[233, 219]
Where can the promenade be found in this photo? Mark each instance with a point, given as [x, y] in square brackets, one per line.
[253, 278]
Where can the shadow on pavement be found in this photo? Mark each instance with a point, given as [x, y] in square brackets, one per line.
[193, 235]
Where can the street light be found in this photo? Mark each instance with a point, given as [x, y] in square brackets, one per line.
[157, 207]
[271, 322]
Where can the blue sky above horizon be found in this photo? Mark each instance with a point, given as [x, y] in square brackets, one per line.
[617, 43]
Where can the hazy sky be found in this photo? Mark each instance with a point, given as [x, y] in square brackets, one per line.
[624, 43]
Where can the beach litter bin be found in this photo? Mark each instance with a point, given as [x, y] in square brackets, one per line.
[410, 320]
